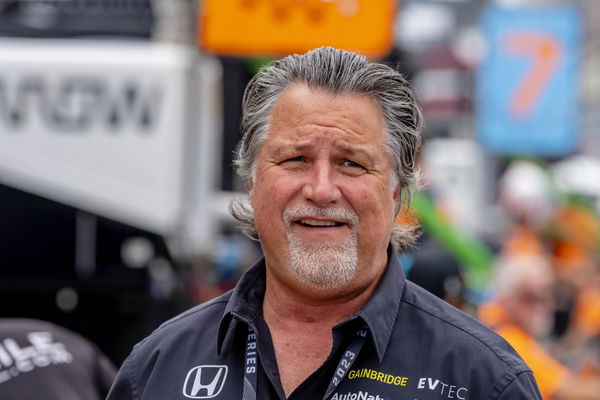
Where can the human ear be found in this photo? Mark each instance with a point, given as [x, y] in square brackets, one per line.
[250, 188]
[397, 192]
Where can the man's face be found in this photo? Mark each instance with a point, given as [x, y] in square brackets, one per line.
[532, 305]
[322, 196]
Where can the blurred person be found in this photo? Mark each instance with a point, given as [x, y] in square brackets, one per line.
[522, 312]
[439, 273]
[40, 360]
[586, 316]
[214, 274]
[234, 253]
[575, 244]
[525, 193]
[575, 238]
[328, 157]
[574, 271]
[578, 345]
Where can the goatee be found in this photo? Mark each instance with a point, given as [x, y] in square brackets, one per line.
[322, 265]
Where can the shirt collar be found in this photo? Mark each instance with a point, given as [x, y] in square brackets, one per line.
[246, 300]
[381, 310]
[379, 313]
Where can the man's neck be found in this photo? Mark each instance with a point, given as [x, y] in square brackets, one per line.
[311, 308]
[292, 303]
[300, 322]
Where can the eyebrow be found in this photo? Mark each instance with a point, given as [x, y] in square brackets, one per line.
[355, 152]
[344, 147]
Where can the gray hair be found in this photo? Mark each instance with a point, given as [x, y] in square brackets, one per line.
[336, 72]
[510, 270]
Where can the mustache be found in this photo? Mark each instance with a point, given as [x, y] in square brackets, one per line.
[311, 211]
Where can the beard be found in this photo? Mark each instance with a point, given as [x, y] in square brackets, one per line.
[322, 265]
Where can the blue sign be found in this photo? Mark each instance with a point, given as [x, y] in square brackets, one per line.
[528, 85]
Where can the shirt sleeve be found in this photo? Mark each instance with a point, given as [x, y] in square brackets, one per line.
[122, 388]
[523, 387]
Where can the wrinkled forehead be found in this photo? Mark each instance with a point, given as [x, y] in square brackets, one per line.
[299, 102]
[300, 105]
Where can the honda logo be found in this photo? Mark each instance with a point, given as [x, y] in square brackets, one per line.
[205, 381]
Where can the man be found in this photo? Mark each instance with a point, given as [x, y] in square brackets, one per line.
[42, 360]
[328, 158]
[438, 272]
[522, 312]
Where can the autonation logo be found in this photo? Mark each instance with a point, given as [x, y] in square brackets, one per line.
[356, 396]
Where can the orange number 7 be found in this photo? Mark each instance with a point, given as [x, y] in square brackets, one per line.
[546, 52]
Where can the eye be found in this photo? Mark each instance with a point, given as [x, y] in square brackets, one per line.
[352, 164]
[297, 158]
[352, 168]
[293, 161]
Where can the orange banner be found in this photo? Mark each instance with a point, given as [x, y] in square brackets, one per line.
[281, 27]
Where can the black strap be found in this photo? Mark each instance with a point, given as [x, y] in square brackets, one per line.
[250, 367]
[348, 358]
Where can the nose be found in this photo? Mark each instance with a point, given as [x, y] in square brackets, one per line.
[321, 188]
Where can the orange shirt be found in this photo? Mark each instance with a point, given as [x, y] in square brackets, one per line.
[549, 373]
[587, 312]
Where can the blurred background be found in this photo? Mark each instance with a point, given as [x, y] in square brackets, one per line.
[119, 118]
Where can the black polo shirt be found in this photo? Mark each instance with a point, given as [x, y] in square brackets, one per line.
[41, 360]
[417, 348]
